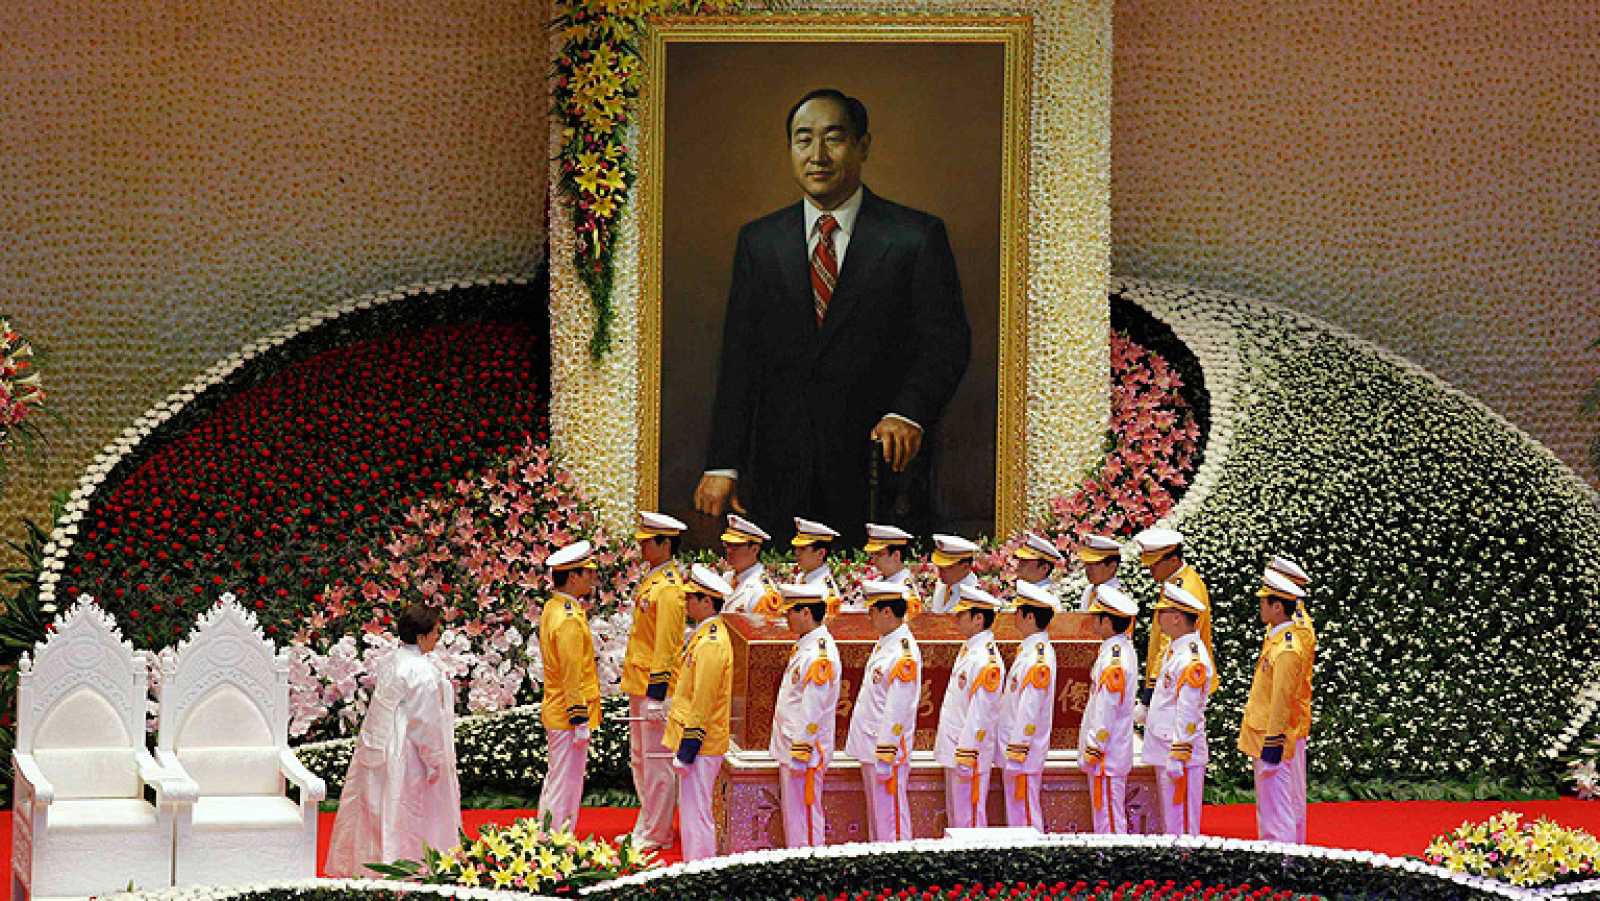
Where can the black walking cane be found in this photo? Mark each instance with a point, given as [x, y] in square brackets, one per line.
[874, 460]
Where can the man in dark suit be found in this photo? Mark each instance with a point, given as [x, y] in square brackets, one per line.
[845, 322]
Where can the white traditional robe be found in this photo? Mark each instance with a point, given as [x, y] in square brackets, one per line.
[389, 808]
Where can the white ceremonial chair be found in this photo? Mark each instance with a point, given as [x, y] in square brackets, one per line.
[225, 725]
[81, 823]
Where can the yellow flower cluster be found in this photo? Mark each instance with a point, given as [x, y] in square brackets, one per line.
[1528, 854]
[597, 78]
[532, 857]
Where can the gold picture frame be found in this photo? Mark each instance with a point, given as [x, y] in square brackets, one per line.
[1014, 34]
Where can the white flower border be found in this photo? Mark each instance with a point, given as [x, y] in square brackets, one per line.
[1010, 842]
[65, 534]
[922, 846]
[1216, 343]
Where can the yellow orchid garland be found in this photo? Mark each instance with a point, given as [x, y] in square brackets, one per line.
[597, 80]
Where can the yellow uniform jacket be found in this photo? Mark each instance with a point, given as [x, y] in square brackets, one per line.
[657, 632]
[1190, 581]
[702, 691]
[1305, 633]
[571, 687]
[1273, 710]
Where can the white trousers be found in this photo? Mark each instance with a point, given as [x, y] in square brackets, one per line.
[803, 824]
[1299, 785]
[652, 776]
[1181, 817]
[1111, 816]
[1281, 798]
[1022, 799]
[695, 783]
[562, 794]
[888, 812]
[960, 811]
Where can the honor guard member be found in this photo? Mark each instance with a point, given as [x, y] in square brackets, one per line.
[1105, 738]
[1270, 732]
[812, 541]
[754, 591]
[697, 728]
[1161, 552]
[653, 643]
[886, 550]
[571, 704]
[964, 744]
[952, 555]
[883, 723]
[1100, 557]
[1027, 709]
[1306, 634]
[1175, 730]
[802, 721]
[1036, 561]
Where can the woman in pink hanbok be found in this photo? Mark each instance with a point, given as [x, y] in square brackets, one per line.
[400, 792]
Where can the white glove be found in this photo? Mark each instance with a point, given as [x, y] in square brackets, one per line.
[1139, 712]
[679, 765]
[965, 769]
[883, 770]
[655, 711]
[580, 734]
[1174, 768]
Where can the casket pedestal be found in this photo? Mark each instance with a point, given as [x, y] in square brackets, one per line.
[746, 806]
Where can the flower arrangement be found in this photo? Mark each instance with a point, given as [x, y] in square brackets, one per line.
[1440, 540]
[596, 81]
[527, 856]
[22, 394]
[476, 552]
[1527, 854]
[275, 488]
[1149, 890]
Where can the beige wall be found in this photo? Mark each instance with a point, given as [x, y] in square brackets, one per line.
[176, 179]
[179, 178]
[1425, 174]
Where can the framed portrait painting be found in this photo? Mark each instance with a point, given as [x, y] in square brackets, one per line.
[834, 261]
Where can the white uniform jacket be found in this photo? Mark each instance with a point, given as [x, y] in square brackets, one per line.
[1027, 709]
[1175, 726]
[1108, 718]
[802, 721]
[883, 723]
[971, 705]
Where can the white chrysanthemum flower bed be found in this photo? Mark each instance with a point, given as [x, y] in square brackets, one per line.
[1456, 561]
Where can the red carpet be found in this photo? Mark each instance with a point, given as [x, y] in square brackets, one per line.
[1394, 828]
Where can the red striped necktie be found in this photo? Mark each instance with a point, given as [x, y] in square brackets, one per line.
[824, 265]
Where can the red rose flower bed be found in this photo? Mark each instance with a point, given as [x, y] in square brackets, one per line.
[286, 485]
[1149, 890]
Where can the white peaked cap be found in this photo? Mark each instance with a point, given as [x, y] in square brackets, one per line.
[1037, 547]
[1273, 582]
[572, 556]
[1113, 600]
[1289, 568]
[704, 579]
[1031, 595]
[1152, 540]
[1175, 597]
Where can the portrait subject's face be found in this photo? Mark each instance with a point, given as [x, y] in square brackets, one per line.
[825, 157]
